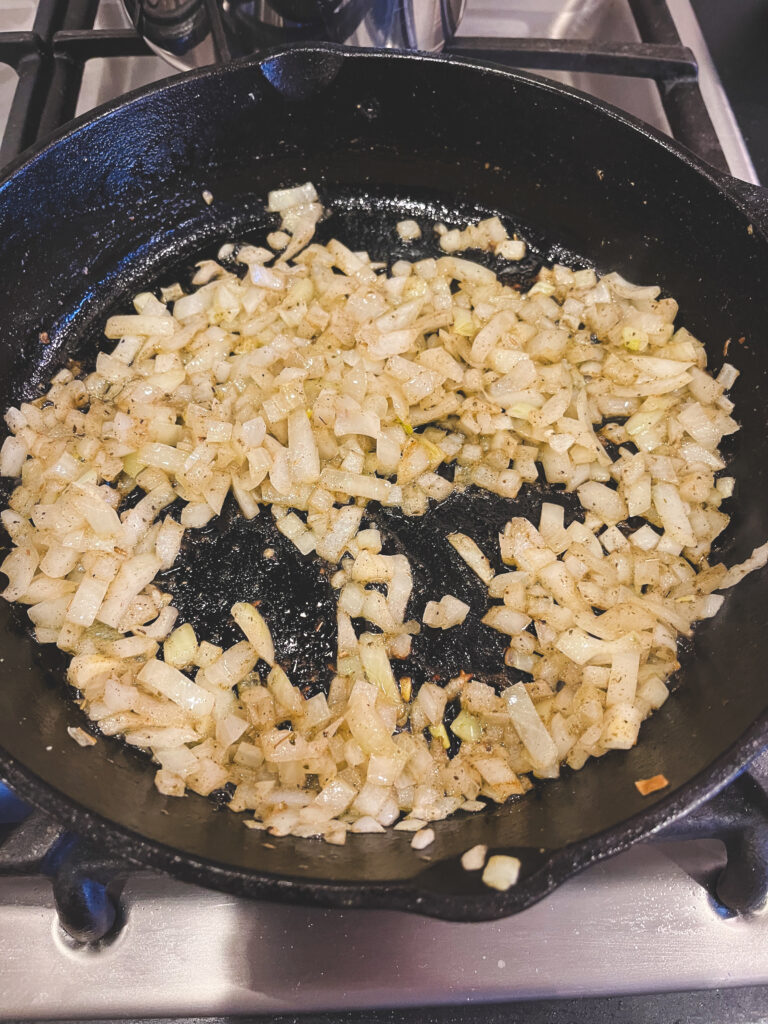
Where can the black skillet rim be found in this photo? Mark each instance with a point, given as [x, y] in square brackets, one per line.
[560, 864]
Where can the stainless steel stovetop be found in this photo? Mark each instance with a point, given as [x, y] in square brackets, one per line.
[640, 923]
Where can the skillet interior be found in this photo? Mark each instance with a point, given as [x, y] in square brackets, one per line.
[117, 204]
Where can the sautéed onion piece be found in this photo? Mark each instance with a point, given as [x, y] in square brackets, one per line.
[316, 383]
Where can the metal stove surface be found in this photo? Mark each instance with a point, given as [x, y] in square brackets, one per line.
[612, 20]
[642, 922]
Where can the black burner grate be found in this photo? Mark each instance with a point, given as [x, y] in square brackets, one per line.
[49, 62]
[660, 56]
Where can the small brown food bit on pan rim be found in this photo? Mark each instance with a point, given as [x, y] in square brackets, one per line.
[647, 786]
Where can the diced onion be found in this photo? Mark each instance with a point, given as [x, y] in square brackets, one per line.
[282, 199]
[474, 858]
[81, 737]
[446, 613]
[472, 555]
[408, 230]
[501, 872]
[423, 838]
[180, 647]
[176, 687]
[530, 727]
[252, 623]
[321, 381]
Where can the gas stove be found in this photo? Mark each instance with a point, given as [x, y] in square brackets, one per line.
[666, 930]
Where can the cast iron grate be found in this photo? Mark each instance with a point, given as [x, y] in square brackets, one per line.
[49, 62]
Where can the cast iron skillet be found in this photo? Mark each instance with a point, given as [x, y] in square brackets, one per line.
[115, 203]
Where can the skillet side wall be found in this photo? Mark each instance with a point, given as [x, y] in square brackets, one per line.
[121, 199]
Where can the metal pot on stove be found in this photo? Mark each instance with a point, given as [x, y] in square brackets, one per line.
[192, 33]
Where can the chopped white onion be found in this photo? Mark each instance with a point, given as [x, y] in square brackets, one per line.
[474, 858]
[423, 838]
[472, 555]
[176, 687]
[446, 613]
[252, 623]
[501, 872]
[320, 382]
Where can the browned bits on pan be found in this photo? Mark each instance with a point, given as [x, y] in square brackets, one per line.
[45, 338]
[647, 786]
